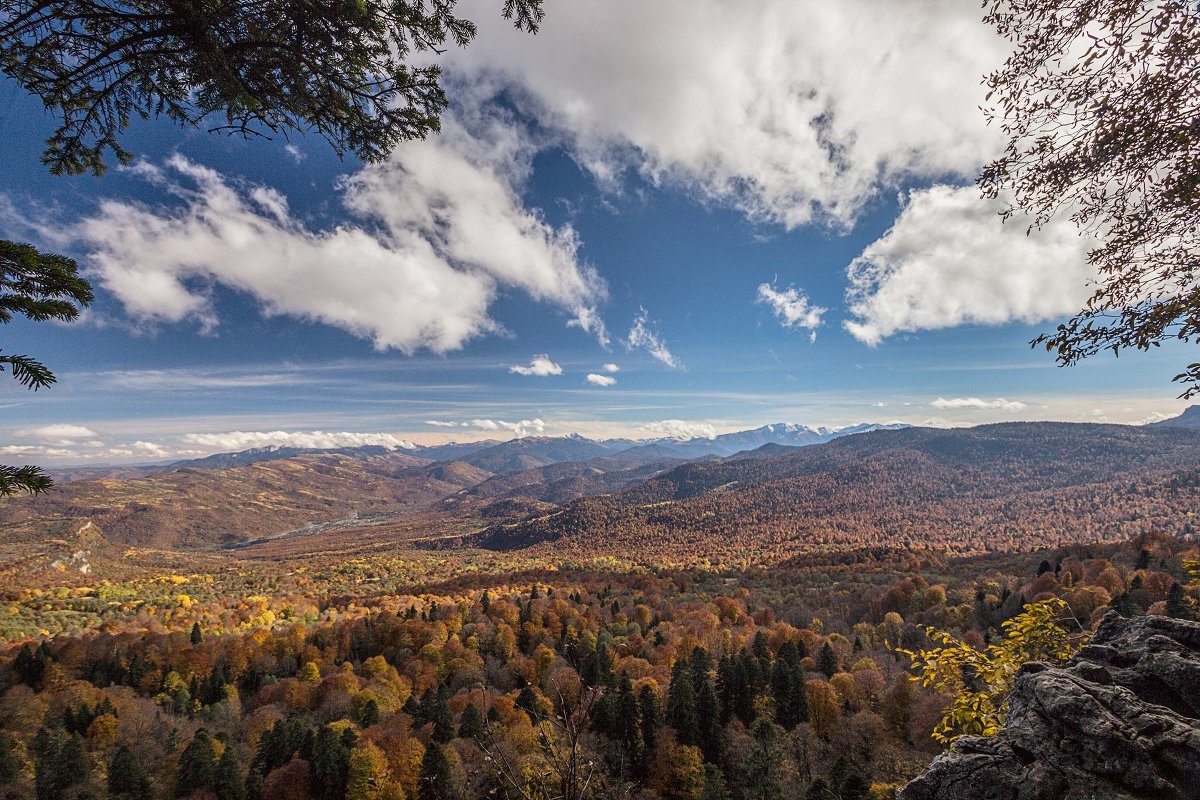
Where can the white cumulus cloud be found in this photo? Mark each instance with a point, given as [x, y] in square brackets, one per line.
[439, 230]
[789, 111]
[611, 368]
[60, 434]
[244, 440]
[949, 260]
[600, 380]
[525, 427]
[680, 429]
[977, 402]
[792, 308]
[540, 366]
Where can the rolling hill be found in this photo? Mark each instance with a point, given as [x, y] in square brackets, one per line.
[196, 508]
[991, 488]
[994, 487]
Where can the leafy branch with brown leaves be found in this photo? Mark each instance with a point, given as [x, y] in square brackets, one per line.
[1100, 102]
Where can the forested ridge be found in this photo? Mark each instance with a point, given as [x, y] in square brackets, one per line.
[994, 487]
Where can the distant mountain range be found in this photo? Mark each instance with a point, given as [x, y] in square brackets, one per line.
[964, 490]
[511, 456]
[781, 433]
[1190, 418]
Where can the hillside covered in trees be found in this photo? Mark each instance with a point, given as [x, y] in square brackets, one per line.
[994, 487]
[991, 488]
[531, 680]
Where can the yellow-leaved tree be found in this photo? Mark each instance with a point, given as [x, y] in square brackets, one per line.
[979, 681]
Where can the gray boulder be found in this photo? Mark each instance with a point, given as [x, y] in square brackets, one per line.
[1122, 721]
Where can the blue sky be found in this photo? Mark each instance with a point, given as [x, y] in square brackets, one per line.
[753, 220]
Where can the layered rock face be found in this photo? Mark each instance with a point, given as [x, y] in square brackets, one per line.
[1121, 721]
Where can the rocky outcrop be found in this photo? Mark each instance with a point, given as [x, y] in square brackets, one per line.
[1121, 721]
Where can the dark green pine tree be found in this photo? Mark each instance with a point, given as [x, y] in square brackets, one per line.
[254, 784]
[648, 714]
[436, 710]
[1143, 559]
[30, 665]
[436, 781]
[197, 765]
[762, 652]
[126, 778]
[527, 701]
[9, 765]
[714, 784]
[228, 782]
[1123, 604]
[59, 762]
[1177, 606]
[847, 781]
[789, 689]
[827, 661]
[747, 681]
[329, 765]
[370, 714]
[629, 723]
[74, 765]
[708, 705]
[197, 634]
[470, 724]
[439, 715]
[681, 704]
[726, 688]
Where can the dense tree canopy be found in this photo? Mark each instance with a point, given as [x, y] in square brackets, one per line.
[1101, 105]
[342, 69]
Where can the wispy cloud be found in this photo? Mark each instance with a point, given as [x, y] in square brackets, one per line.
[978, 403]
[244, 440]
[644, 335]
[189, 380]
[61, 434]
[679, 429]
[525, 427]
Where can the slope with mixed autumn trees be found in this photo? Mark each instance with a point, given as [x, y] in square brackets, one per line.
[994, 487]
[197, 507]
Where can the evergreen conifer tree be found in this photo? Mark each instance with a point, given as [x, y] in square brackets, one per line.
[1177, 603]
[436, 781]
[681, 704]
[827, 660]
[227, 780]
[197, 765]
[470, 724]
[126, 777]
